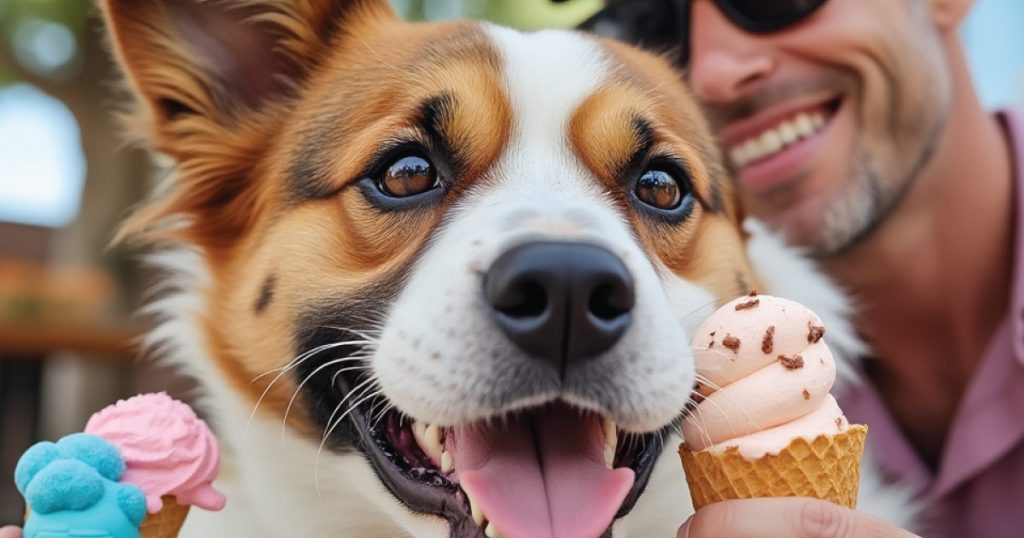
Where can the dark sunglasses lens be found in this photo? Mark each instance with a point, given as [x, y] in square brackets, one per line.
[767, 15]
[654, 24]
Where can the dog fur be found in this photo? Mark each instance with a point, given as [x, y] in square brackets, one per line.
[266, 236]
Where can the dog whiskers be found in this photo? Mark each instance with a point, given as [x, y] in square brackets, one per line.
[628, 440]
[282, 371]
[677, 428]
[698, 419]
[717, 350]
[388, 406]
[697, 309]
[360, 357]
[367, 394]
[699, 424]
[371, 334]
[362, 386]
[700, 378]
[306, 354]
[298, 389]
[729, 399]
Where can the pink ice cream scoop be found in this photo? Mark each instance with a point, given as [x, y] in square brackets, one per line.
[167, 449]
[766, 378]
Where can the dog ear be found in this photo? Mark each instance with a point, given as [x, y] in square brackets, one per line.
[218, 59]
[211, 77]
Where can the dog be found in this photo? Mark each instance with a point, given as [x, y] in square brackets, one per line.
[434, 279]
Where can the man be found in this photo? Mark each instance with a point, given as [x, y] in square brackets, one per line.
[852, 127]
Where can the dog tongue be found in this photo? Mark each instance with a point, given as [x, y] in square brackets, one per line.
[542, 475]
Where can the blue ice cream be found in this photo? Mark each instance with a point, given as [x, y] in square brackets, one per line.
[72, 489]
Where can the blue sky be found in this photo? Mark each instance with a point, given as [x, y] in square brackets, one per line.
[994, 41]
[42, 167]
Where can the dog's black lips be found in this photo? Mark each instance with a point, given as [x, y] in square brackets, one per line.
[363, 429]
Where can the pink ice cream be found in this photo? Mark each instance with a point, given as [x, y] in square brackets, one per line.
[167, 449]
[765, 375]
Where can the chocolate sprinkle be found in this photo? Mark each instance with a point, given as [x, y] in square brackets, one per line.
[807, 395]
[753, 293]
[793, 363]
[732, 343]
[814, 333]
[748, 305]
[768, 342]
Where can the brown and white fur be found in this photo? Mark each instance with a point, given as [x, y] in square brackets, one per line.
[276, 114]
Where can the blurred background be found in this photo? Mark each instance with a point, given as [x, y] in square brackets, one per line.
[67, 334]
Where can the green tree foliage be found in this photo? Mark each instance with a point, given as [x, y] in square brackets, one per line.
[20, 19]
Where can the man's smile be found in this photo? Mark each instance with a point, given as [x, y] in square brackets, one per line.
[774, 145]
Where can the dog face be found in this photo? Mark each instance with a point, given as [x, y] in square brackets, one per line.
[472, 254]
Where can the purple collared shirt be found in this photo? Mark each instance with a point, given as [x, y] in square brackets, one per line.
[978, 489]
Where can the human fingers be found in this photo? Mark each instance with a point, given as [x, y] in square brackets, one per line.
[785, 516]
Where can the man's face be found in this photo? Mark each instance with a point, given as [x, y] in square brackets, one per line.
[824, 123]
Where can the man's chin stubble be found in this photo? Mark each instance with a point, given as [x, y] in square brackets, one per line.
[867, 209]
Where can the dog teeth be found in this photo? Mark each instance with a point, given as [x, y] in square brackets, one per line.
[474, 509]
[429, 438]
[611, 442]
[447, 463]
[492, 531]
[433, 436]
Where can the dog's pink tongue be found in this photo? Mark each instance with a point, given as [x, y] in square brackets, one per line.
[543, 476]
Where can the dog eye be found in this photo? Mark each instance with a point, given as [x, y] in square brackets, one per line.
[659, 189]
[407, 176]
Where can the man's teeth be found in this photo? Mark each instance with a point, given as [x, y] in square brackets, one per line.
[492, 531]
[775, 139]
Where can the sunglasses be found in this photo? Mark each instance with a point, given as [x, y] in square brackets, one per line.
[665, 24]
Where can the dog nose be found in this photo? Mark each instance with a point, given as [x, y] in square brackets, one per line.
[561, 302]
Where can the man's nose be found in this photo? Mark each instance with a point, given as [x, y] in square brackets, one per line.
[725, 60]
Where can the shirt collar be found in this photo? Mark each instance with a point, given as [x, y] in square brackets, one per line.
[1013, 125]
[989, 421]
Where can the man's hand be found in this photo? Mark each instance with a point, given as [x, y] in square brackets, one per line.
[784, 516]
[10, 532]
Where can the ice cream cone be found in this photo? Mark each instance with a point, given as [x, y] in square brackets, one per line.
[145, 454]
[164, 524]
[167, 522]
[826, 468]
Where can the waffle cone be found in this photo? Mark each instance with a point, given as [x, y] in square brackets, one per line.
[167, 522]
[826, 468]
